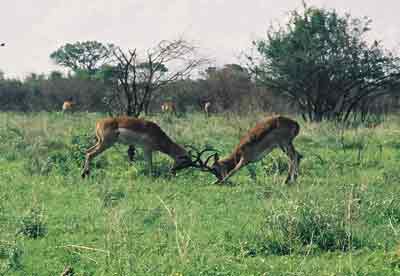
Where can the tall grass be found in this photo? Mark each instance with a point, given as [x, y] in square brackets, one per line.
[341, 218]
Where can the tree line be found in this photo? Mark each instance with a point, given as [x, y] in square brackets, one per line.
[318, 64]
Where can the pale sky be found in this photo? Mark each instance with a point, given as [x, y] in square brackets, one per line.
[32, 29]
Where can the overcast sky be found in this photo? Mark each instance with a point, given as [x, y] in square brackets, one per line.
[33, 29]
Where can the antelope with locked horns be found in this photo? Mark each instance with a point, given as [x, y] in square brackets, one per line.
[273, 132]
[133, 131]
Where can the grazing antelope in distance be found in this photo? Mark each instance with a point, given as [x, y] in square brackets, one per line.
[168, 107]
[272, 132]
[207, 108]
[68, 105]
[133, 131]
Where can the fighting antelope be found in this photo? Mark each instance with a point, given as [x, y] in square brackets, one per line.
[133, 131]
[68, 105]
[168, 107]
[271, 133]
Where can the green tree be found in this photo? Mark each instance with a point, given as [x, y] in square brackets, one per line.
[322, 61]
[83, 58]
[227, 87]
[55, 75]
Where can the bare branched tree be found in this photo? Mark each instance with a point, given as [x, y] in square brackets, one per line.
[137, 79]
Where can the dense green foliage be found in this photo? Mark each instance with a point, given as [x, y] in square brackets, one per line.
[341, 218]
[228, 88]
[86, 57]
[325, 64]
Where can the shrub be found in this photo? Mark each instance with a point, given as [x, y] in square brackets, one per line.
[381, 210]
[78, 146]
[64, 160]
[307, 225]
[32, 225]
[10, 257]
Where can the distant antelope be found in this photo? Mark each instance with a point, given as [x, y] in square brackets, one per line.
[207, 108]
[133, 131]
[272, 132]
[68, 105]
[168, 107]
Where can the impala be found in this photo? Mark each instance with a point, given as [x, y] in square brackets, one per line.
[207, 108]
[68, 105]
[273, 132]
[168, 107]
[133, 131]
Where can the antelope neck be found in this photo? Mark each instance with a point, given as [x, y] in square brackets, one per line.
[174, 150]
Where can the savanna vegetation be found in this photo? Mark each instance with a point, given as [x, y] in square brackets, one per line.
[342, 217]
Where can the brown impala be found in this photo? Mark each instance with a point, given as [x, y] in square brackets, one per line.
[168, 107]
[68, 105]
[271, 133]
[132, 131]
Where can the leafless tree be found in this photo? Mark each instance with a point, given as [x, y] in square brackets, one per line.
[137, 79]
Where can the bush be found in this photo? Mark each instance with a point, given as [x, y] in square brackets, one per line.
[63, 161]
[307, 225]
[10, 258]
[382, 210]
[32, 225]
[79, 145]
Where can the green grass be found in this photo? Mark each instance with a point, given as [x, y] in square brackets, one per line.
[341, 218]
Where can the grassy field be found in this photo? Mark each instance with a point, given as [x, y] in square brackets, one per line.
[341, 218]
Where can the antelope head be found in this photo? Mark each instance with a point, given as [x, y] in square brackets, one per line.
[182, 162]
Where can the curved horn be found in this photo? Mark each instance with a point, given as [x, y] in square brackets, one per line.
[198, 162]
